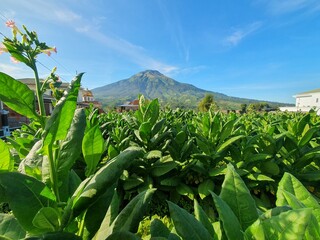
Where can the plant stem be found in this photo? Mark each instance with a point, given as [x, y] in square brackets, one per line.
[81, 227]
[38, 91]
[53, 173]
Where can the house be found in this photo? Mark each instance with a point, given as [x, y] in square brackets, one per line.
[130, 106]
[305, 102]
[14, 119]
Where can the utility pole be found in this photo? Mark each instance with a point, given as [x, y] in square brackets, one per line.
[4, 120]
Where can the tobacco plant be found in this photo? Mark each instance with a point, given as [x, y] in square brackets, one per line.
[296, 215]
[48, 199]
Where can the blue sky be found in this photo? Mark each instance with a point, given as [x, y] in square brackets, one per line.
[259, 49]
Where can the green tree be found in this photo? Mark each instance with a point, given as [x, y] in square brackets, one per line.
[206, 103]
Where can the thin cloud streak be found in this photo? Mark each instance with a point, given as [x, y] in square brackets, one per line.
[278, 7]
[239, 34]
[62, 15]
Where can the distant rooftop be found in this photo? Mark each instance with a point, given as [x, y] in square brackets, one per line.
[308, 92]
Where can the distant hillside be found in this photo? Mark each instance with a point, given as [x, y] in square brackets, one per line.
[152, 84]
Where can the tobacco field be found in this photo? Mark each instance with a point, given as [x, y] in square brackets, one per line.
[154, 173]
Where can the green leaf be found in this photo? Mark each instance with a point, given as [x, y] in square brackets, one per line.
[153, 154]
[10, 228]
[226, 130]
[6, 162]
[92, 148]
[202, 217]
[129, 218]
[181, 137]
[59, 123]
[69, 147]
[307, 136]
[162, 168]
[187, 225]
[122, 235]
[227, 143]
[259, 177]
[132, 182]
[152, 112]
[236, 194]
[17, 96]
[26, 196]
[185, 190]
[47, 219]
[55, 236]
[145, 131]
[102, 180]
[205, 187]
[292, 185]
[287, 225]
[97, 212]
[231, 224]
[158, 229]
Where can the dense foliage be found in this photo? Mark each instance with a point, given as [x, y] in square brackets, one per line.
[157, 173]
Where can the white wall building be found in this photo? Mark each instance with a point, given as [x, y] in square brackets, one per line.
[305, 101]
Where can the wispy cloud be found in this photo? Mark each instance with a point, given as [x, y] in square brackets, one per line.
[175, 29]
[239, 34]
[16, 71]
[61, 14]
[287, 6]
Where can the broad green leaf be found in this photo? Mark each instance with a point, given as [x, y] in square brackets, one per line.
[236, 194]
[132, 182]
[69, 147]
[287, 225]
[128, 219]
[59, 123]
[231, 224]
[202, 217]
[186, 224]
[145, 131]
[122, 235]
[259, 177]
[153, 154]
[92, 149]
[10, 228]
[205, 187]
[102, 180]
[226, 130]
[181, 137]
[162, 168]
[105, 228]
[47, 219]
[17, 96]
[312, 176]
[227, 143]
[292, 185]
[158, 126]
[152, 112]
[97, 212]
[313, 230]
[307, 136]
[55, 236]
[270, 167]
[302, 124]
[158, 229]
[26, 196]
[185, 190]
[6, 162]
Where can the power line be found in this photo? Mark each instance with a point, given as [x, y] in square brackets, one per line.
[5, 19]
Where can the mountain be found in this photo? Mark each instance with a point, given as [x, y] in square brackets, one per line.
[153, 84]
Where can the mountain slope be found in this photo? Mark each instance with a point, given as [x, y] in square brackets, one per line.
[152, 84]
